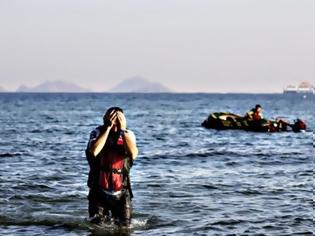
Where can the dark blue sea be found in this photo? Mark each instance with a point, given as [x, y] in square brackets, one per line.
[186, 181]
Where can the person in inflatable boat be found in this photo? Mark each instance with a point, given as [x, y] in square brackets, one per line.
[254, 114]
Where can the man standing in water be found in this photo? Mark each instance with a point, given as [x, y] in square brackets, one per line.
[110, 153]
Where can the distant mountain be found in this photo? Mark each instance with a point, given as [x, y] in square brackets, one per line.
[139, 85]
[53, 87]
[2, 90]
[23, 88]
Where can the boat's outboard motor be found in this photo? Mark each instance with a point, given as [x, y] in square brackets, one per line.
[298, 125]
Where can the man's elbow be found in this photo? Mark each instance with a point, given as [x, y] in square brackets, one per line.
[134, 153]
[93, 152]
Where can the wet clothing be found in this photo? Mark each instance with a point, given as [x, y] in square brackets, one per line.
[108, 180]
[107, 206]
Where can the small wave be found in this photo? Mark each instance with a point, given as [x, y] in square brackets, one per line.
[249, 192]
[154, 185]
[232, 163]
[209, 154]
[215, 153]
[114, 229]
[9, 154]
[36, 131]
[228, 222]
[69, 132]
[52, 119]
[55, 222]
[139, 223]
[210, 186]
[304, 233]
[70, 222]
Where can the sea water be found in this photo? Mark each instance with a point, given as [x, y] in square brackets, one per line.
[187, 180]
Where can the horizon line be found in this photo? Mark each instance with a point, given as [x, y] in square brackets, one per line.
[107, 92]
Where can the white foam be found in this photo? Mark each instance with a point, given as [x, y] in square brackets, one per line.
[139, 223]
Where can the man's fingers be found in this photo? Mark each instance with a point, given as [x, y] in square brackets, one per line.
[121, 116]
[110, 114]
[118, 116]
[113, 113]
[113, 117]
[121, 120]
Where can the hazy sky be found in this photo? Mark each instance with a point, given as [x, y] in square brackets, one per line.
[189, 46]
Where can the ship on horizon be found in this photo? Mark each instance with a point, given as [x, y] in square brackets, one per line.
[302, 88]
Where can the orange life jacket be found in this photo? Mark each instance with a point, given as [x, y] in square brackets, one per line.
[253, 115]
[256, 116]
